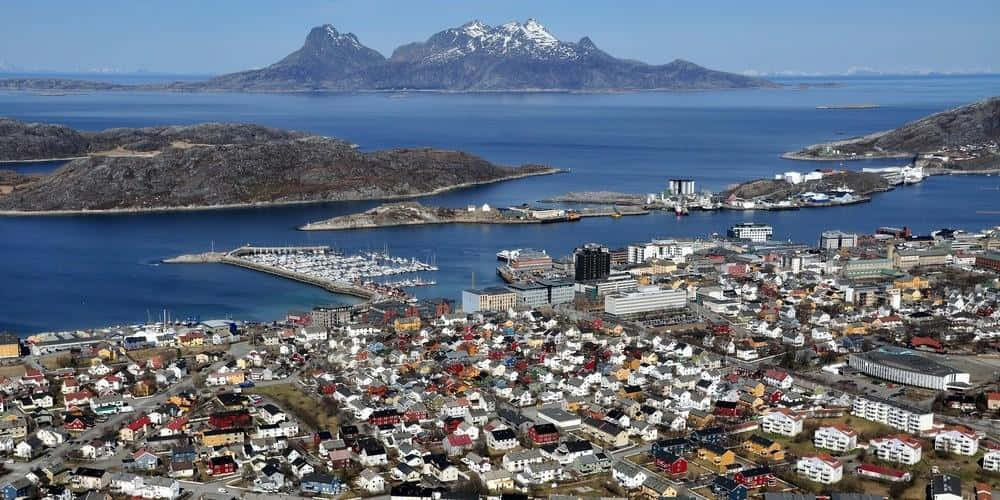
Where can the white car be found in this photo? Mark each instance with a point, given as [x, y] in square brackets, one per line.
[223, 490]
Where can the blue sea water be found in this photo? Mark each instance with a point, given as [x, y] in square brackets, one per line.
[86, 271]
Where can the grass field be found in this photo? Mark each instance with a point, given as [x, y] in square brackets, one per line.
[12, 371]
[305, 407]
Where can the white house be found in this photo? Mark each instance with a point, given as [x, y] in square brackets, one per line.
[838, 438]
[899, 448]
[821, 468]
[782, 421]
[991, 461]
[628, 476]
[957, 440]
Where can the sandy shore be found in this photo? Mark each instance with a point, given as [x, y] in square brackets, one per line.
[193, 208]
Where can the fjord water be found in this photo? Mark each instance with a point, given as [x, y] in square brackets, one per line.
[87, 271]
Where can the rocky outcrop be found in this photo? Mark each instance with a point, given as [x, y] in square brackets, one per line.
[970, 132]
[862, 183]
[223, 165]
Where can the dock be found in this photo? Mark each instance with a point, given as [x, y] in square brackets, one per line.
[235, 258]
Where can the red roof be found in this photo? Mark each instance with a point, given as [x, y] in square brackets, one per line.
[778, 375]
[993, 396]
[78, 396]
[139, 423]
[925, 341]
[177, 423]
[459, 440]
[878, 469]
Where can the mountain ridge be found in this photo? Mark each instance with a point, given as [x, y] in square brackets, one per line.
[473, 57]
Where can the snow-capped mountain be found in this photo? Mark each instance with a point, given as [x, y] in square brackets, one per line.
[530, 40]
[474, 56]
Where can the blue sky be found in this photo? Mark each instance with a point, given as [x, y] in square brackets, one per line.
[187, 36]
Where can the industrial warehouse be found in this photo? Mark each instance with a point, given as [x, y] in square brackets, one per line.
[907, 367]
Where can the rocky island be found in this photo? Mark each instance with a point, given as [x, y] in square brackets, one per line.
[217, 165]
[472, 57]
[961, 140]
[414, 214]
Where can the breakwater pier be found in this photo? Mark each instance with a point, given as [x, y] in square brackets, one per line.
[318, 266]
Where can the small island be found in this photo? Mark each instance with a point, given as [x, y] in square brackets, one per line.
[217, 165]
[414, 214]
[961, 140]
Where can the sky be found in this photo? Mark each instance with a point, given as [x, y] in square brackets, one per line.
[766, 37]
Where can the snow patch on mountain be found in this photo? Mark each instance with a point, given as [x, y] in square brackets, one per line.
[530, 39]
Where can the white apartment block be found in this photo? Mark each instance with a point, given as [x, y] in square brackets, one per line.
[902, 417]
[822, 469]
[901, 449]
[782, 421]
[991, 461]
[836, 438]
[959, 441]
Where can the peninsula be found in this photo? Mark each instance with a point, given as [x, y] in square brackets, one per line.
[473, 57]
[413, 214]
[217, 165]
[960, 140]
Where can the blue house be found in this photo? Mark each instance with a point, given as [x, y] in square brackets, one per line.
[17, 488]
[144, 460]
[182, 454]
[728, 489]
[320, 483]
[675, 446]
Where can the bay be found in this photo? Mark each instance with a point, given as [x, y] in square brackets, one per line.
[88, 271]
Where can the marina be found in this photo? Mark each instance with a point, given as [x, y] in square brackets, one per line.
[324, 267]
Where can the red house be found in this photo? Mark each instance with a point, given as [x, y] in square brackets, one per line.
[452, 423]
[76, 425]
[543, 433]
[672, 464]
[415, 415]
[730, 409]
[230, 419]
[327, 388]
[385, 417]
[755, 478]
[218, 466]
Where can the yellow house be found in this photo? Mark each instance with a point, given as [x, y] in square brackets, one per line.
[716, 455]
[700, 419]
[192, 339]
[407, 324]
[657, 488]
[108, 353]
[622, 373]
[571, 406]
[650, 357]
[764, 447]
[754, 388]
[10, 346]
[221, 437]
[858, 329]
[235, 377]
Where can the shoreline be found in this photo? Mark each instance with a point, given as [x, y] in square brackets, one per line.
[345, 223]
[798, 156]
[269, 204]
[43, 160]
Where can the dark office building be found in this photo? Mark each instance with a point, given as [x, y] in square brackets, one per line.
[591, 262]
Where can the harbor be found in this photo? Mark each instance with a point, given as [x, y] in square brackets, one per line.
[321, 266]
